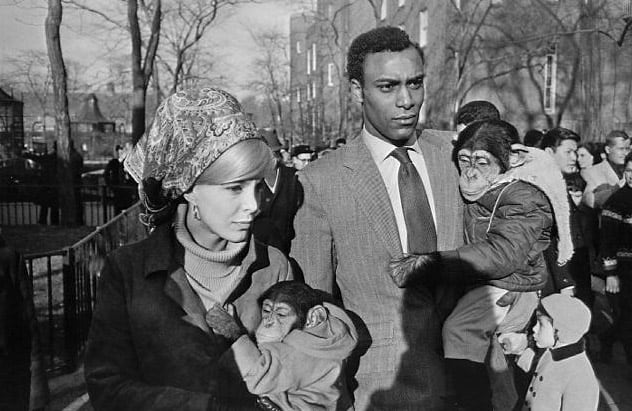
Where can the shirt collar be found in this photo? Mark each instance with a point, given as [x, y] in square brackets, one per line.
[567, 351]
[380, 150]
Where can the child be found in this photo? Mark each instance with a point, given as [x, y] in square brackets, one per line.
[302, 344]
[563, 379]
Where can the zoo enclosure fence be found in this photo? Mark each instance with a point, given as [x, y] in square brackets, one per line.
[64, 283]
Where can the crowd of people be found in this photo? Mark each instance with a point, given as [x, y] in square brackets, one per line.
[403, 270]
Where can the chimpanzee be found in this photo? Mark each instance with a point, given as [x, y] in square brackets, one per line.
[510, 193]
[302, 342]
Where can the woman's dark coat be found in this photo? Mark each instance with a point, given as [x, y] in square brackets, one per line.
[149, 347]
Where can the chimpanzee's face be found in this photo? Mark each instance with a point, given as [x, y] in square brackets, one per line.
[277, 320]
[479, 169]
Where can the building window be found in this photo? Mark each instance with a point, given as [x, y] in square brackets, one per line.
[384, 10]
[550, 76]
[401, 3]
[309, 95]
[309, 62]
[313, 89]
[330, 74]
[330, 11]
[314, 57]
[298, 47]
[423, 28]
[298, 95]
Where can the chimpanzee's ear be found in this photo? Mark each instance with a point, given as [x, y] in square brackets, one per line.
[316, 316]
[518, 155]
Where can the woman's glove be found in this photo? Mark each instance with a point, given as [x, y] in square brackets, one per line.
[414, 268]
[513, 343]
[225, 322]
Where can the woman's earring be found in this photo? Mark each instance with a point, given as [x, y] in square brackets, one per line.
[196, 212]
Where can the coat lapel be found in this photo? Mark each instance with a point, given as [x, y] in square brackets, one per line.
[365, 182]
[178, 289]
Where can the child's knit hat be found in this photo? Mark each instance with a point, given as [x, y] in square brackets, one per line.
[571, 317]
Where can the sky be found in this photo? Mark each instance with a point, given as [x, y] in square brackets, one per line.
[22, 28]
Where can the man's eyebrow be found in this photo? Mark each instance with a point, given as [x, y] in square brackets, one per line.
[419, 77]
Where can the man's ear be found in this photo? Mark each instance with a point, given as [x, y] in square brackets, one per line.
[357, 91]
[189, 196]
[316, 316]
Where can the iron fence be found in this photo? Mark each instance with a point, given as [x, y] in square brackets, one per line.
[64, 283]
[37, 204]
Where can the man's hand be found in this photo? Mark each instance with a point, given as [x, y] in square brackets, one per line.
[413, 268]
[613, 285]
[224, 322]
[513, 343]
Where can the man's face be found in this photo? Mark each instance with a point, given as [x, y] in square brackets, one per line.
[627, 173]
[565, 155]
[392, 94]
[617, 152]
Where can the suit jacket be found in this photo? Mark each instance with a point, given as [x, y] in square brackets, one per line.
[149, 346]
[346, 235]
[273, 225]
[599, 176]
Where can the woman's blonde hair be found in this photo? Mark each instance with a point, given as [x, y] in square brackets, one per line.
[246, 160]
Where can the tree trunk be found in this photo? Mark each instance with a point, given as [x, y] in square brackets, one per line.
[141, 71]
[62, 119]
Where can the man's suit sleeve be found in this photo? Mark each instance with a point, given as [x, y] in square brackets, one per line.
[313, 246]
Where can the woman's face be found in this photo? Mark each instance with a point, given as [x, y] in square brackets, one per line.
[227, 210]
[584, 158]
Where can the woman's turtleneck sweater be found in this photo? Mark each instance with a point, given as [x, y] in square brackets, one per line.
[213, 275]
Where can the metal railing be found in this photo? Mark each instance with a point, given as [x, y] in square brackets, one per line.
[64, 282]
[36, 204]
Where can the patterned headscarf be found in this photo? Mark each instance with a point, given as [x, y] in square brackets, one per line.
[192, 128]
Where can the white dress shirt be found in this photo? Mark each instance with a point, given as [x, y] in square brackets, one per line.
[389, 168]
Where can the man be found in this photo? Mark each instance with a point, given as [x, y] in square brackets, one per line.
[119, 181]
[605, 178]
[354, 220]
[574, 277]
[301, 156]
[280, 198]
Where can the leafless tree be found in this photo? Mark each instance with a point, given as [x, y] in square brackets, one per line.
[271, 66]
[62, 120]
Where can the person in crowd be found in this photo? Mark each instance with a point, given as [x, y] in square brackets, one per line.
[474, 111]
[512, 196]
[616, 257]
[120, 183]
[564, 379]
[281, 196]
[302, 155]
[386, 192]
[301, 345]
[23, 383]
[589, 154]
[606, 177]
[48, 198]
[200, 169]
[532, 138]
[561, 143]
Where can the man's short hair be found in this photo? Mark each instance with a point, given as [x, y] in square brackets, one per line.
[532, 138]
[555, 136]
[611, 138]
[380, 39]
[477, 110]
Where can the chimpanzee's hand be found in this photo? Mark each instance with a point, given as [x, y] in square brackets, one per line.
[412, 268]
[224, 322]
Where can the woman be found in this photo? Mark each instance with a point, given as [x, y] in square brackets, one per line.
[589, 154]
[149, 348]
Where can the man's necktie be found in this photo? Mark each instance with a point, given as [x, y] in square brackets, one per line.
[422, 236]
